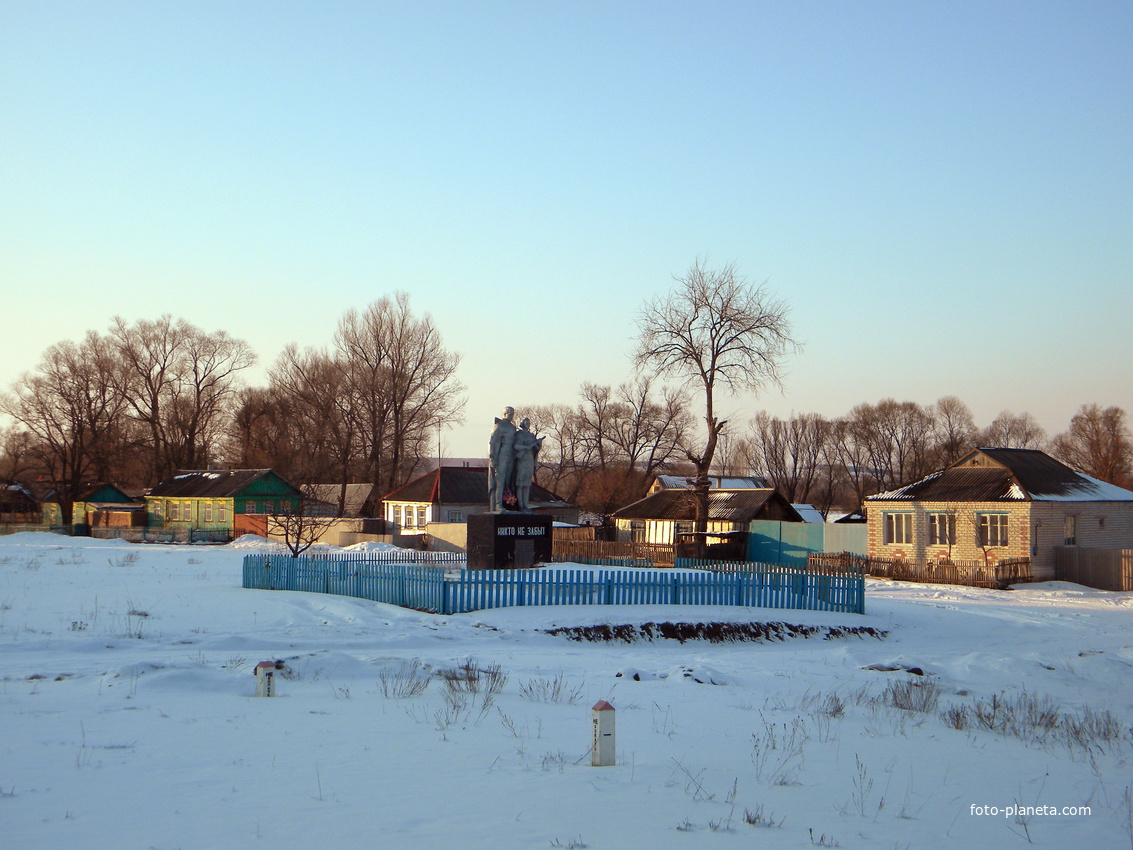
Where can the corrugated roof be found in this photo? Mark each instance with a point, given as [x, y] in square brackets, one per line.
[208, 484]
[460, 485]
[723, 505]
[1000, 475]
[356, 496]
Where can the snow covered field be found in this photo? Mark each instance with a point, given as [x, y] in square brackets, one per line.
[127, 718]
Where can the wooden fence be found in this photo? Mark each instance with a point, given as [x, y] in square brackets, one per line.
[1103, 569]
[612, 553]
[426, 588]
[970, 573]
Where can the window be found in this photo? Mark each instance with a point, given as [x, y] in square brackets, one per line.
[1070, 530]
[222, 512]
[251, 508]
[208, 511]
[421, 517]
[993, 529]
[684, 527]
[158, 511]
[898, 529]
[395, 514]
[456, 516]
[174, 511]
[187, 511]
[637, 530]
[941, 529]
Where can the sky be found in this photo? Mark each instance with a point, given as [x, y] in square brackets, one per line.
[942, 192]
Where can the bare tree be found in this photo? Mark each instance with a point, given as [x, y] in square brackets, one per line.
[402, 385]
[313, 386]
[178, 381]
[791, 451]
[719, 332]
[603, 453]
[1097, 443]
[71, 407]
[302, 523]
[1012, 431]
[954, 430]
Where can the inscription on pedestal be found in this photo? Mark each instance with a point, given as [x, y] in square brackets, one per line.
[508, 540]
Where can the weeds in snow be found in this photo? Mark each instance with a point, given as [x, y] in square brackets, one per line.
[408, 680]
[777, 752]
[572, 844]
[1038, 719]
[912, 695]
[757, 817]
[823, 840]
[550, 690]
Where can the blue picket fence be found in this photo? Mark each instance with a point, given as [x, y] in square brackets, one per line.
[426, 588]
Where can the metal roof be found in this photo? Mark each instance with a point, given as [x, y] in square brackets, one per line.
[210, 484]
[995, 475]
[723, 505]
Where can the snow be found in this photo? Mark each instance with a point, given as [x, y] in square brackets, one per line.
[128, 717]
[1091, 490]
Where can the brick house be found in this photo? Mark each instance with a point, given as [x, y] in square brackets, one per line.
[994, 504]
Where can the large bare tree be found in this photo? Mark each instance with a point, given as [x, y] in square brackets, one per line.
[719, 332]
[179, 382]
[1098, 443]
[402, 385]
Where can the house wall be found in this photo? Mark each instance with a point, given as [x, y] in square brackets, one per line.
[966, 547]
[663, 531]
[1099, 525]
[447, 536]
[191, 513]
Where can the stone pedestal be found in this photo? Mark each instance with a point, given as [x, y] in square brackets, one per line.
[508, 540]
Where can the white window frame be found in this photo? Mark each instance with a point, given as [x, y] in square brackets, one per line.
[937, 519]
[897, 528]
[1070, 530]
[456, 516]
[992, 530]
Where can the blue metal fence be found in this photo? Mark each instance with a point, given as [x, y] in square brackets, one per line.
[426, 588]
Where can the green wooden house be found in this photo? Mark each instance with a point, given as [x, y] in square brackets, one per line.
[221, 503]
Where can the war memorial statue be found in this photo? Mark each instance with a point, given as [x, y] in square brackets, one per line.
[509, 535]
[511, 463]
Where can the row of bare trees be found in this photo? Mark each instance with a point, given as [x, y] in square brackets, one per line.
[147, 399]
[878, 447]
[365, 408]
[603, 451]
[132, 405]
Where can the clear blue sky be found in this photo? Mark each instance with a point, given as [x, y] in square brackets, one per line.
[942, 191]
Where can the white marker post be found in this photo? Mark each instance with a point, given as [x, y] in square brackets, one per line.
[602, 725]
[265, 679]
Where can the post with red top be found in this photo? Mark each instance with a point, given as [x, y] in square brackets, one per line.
[265, 678]
[602, 726]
